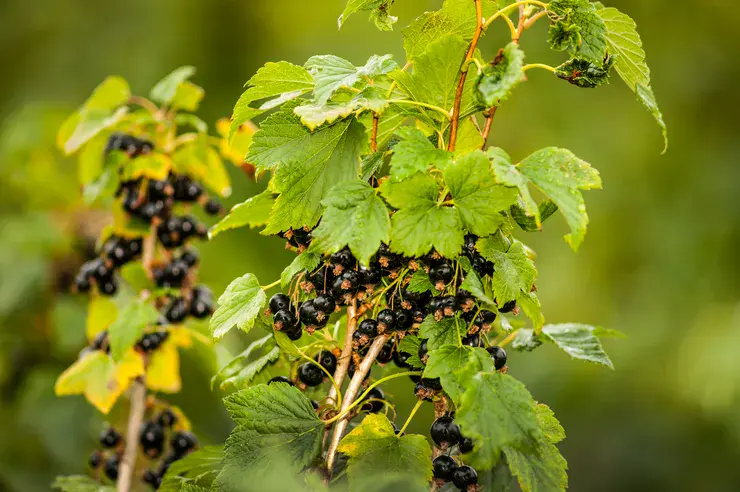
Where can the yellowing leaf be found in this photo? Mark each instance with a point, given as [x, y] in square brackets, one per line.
[237, 149]
[102, 312]
[163, 373]
[153, 166]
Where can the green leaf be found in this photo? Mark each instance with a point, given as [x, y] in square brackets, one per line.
[239, 305]
[558, 174]
[380, 12]
[501, 76]
[478, 199]
[354, 216]
[497, 412]
[274, 420]
[188, 97]
[646, 96]
[457, 17]
[577, 29]
[187, 119]
[447, 331]
[410, 345]
[241, 370]
[526, 340]
[474, 285]
[584, 73]
[307, 165]
[305, 262]
[420, 283]
[420, 222]
[530, 304]
[332, 73]
[197, 469]
[545, 210]
[549, 425]
[456, 366]
[514, 272]
[80, 483]
[433, 79]
[280, 82]
[414, 154]
[253, 212]
[166, 89]
[129, 327]
[372, 164]
[579, 341]
[374, 449]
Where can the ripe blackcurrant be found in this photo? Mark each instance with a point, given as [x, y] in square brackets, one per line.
[95, 459]
[201, 308]
[111, 467]
[325, 304]
[109, 438]
[167, 418]
[386, 353]
[281, 379]
[423, 350]
[508, 307]
[310, 316]
[465, 300]
[189, 257]
[371, 275]
[108, 288]
[359, 340]
[444, 467]
[498, 355]
[182, 442]
[386, 321]
[377, 405]
[151, 439]
[151, 477]
[310, 374]
[464, 476]
[400, 358]
[448, 305]
[481, 265]
[327, 360]
[441, 274]
[445, 432]
[472, 340]
[177, 310]
[432, 383]
[151, 341]
[404, 319]
[279, 302]
[465, 445]
[212, 207]
[484, 319]
[344, 258]
[368, 328]
[285, 320]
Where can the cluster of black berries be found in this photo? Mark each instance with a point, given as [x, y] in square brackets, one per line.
[150, 199]
[446, 433]
[299, 239]
[173, 274]
[198, 305]
[153, 441]
[174, 231]
[109, 457]
[100, 271]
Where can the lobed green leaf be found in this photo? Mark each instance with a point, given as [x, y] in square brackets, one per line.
[238, 306]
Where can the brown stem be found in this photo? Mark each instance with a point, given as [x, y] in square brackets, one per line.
[346, 357]
[487, 129]
[374, 134]
[464, 74]
[149, 249]
[135, 418]
[350, 395]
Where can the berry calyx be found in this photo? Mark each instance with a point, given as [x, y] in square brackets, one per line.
[423, 350]
[286, 321]
[445, 432]
[444, 467]
[441, 274]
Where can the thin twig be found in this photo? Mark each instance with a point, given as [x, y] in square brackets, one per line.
[374, 134]
[489, 123]
[345, 358]
[149, 249]
[455, 121]
[135, 418]
[351, 394]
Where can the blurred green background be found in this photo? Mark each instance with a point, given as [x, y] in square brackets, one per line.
[660, 261]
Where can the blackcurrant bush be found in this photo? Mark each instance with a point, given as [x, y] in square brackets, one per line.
[325, 304]
[167, 418]
[464, 476]
[285, 320]
[95, 459]
[109, 438]
[281, 379]
[386, 321]
[183, 442]
[465, 445]
[310, 374]
[327, 360]
[377, 405]
[441, 274]
[444, 467]
[445, 432]
[111, 467]
[498, 355]
[368, 328]
[279, 302]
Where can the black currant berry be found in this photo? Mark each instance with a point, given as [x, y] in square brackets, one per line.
[484, 319]
[400, 358]
[82, 282]
[310, 374]
[445, 432]
[108, 288]
[151, 439]
[212, 207]
[423, 350]
[201, 308]
[371, 275]
[444, 467]
[281, 379]
[432, 383]
[386, 353]
[151, 341]
[109, 438]
[100, 342]
[498, 355]
[441, 274]
[343, 258]
[448, 305]
[111, 468]
[368, 328]
[95, 459]
[151, 477]
[359, 340]
[325, 304]
[189, 257]
[310, 315]
[167, 418]
[469, 247]
[404, 319]
[464, 476]
[481, 265]
[183, 442]
[375, 406]
[285, 320]
[472, 340]
[327, 360]
[465, 445]
[278, 302]
[508, 307]
[386, 321]
[177, 310]
[465, 300]
[187, 190]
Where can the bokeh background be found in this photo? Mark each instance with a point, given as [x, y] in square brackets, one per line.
[660, 261]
